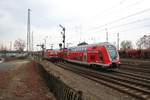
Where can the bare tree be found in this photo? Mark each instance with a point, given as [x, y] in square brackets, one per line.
[143, 42]
[19, 45]
[126, 44]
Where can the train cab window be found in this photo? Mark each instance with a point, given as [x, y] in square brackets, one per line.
[112, 51]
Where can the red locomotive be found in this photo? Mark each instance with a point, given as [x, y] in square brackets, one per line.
[102, 55]
[52, 55]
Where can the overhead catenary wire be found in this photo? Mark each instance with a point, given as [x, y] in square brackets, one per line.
[120, 19]
[115, 6]
[110, 8]
[121, 25]
[132, 22]
[134, 28]
[107, 11]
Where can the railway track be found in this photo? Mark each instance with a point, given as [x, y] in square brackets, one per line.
[137, 65]
[142, 80]
[137, 73]
[124, 76]
[129, 74]
[134, 75]
[133, 85]
[136, 69]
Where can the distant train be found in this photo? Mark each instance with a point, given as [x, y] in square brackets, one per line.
[102, 55]
[135, 53]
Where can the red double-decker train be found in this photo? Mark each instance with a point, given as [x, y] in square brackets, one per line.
[102, 55]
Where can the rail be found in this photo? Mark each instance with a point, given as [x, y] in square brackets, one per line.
[140, 91]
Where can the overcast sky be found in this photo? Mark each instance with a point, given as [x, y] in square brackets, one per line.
[84, 20]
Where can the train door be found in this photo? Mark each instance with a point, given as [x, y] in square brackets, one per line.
[100, 57]
[84, 57]
[88, 55]
[91, 55]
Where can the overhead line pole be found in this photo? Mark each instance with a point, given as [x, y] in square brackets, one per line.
[28, 32]
[32, 41]
[118, 40]
[106, 35]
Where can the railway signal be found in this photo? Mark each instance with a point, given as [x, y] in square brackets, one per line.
[42, 46]
[63, 33]
[51, 46]
[60, 45]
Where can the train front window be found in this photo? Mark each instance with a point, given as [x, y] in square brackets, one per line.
[112, 51]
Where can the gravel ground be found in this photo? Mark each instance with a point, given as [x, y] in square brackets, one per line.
[20, 80]
[91, 89]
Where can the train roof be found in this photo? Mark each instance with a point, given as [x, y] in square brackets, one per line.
[91, 45]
